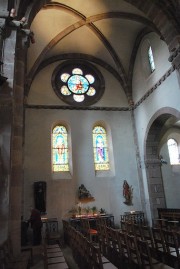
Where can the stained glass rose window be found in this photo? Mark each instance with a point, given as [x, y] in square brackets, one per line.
[78, 83]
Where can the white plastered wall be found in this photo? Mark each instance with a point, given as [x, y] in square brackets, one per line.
[62, 193]
[164, 96]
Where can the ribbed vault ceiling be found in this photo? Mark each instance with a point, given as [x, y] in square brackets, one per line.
[106, 32]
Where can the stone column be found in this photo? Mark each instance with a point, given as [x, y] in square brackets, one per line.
[16, 188]
[141, 185]
[155, 185]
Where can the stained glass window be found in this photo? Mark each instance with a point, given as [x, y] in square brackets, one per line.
[77, 71]
[60, 156]
[173, 151]
[151, 59]
[101, 157]
[78, 82]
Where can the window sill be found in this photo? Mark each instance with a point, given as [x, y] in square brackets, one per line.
[107, 173]
[61, 175]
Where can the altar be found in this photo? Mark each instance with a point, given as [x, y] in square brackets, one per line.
[76, 221]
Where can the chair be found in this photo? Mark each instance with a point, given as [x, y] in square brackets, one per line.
[137, 230]
[90, 233]
[159, 223]
[82, 256]
[146, 234]
[109, 239]
[159, 243]
[123, 225]
[80, 250]
[102, 239]
[52, 231]
[72, 238]
[147, 261]
[134, 255]
[172, 246]
[173, 225]
[130, 227]
[115, 251]
[123, 249]
[65, 230]
[110, 221]
[96, 259]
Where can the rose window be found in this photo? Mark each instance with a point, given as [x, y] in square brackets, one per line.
[77, 83]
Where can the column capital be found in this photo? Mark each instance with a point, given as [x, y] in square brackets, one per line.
[152, 162]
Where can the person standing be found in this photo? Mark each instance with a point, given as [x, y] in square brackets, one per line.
[36, 225]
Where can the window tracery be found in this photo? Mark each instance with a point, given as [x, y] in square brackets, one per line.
[78, 83]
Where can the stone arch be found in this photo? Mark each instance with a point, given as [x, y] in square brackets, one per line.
[158, 15]
[155, 130]
[168, 27]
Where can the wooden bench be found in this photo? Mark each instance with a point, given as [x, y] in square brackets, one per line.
[53, 257]
[169, 213]
[87, 254]
[8, 261]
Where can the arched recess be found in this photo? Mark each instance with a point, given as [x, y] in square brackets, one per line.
[158, 125]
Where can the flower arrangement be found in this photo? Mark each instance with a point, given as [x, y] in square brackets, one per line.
[80, 211]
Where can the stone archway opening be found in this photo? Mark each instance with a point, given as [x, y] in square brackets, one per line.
[162, 125]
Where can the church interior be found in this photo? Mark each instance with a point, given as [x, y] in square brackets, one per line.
[89, 111]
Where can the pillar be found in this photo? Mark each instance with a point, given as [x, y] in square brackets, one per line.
[155, 185]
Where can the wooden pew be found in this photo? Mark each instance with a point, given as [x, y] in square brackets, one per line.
[169, 213]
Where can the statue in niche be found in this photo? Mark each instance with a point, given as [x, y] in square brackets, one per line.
[127, 193]
[83, 192]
